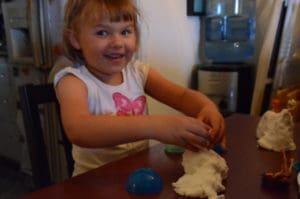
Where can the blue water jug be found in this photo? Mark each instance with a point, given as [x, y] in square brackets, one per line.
[230, 30]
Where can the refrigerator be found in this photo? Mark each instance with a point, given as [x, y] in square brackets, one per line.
[278, 65]
[30, 34]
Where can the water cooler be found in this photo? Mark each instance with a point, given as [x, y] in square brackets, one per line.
[229, 86]
[226, 76]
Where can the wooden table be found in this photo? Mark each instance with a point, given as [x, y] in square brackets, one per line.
[246, 164]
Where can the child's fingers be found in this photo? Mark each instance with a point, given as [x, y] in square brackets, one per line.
[196, 141]
[216, 135]
[199, 128]
[223, 143]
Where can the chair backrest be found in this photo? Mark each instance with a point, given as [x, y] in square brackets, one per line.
[31, 97]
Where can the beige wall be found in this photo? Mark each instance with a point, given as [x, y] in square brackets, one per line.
[170, 42]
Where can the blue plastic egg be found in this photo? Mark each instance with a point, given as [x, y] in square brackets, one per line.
[144, 181]
[297, 166]
[218, 149]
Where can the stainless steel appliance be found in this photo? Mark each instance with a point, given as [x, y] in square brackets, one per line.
[30, 30]
[278, 67]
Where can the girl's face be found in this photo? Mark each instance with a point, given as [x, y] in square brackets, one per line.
[107, 47]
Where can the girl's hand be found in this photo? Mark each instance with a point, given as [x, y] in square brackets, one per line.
[212, 117]
[183, 131]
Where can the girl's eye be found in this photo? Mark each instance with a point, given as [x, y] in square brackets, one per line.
[127, 32]
[102, 33]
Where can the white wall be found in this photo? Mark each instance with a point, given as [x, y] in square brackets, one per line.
[169, 42]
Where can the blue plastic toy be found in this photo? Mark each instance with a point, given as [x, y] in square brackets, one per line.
[144, 181]
[218, 149]
[297, 166]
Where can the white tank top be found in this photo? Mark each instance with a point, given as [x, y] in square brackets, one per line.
[127, 98]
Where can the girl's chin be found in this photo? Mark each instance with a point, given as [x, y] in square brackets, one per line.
[118, 62]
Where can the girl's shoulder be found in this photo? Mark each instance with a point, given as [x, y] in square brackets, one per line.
[137, 64]
[138, 67]
[77, 71]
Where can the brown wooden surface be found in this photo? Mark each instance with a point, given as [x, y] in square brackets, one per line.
[245, 160]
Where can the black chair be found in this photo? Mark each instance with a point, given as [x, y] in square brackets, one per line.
[31, 99]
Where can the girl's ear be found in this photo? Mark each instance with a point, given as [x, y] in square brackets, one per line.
[73, 39]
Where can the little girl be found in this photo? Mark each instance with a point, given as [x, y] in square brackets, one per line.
[103, 101]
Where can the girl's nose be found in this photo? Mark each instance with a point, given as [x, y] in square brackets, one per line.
[116, 41]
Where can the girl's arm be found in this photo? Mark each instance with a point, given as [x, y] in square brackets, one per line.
[190, 102]
[87, 130]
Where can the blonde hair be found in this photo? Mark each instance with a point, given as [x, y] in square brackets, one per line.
[78, 11]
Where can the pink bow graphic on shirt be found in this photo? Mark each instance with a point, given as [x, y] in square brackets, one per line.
[127, 107]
